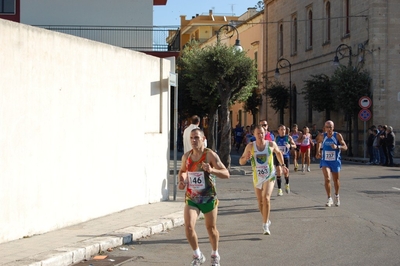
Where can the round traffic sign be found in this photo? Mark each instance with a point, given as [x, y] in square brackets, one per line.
[365, 114]
[365, 102]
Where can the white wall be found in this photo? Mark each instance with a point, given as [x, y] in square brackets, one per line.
[83, 130]
[87, 12]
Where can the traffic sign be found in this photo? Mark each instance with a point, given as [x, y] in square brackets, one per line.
[365, 114]
[365, 102]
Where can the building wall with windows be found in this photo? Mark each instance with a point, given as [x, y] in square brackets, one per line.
[307, 33]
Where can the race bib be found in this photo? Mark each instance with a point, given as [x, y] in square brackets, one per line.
[263, 171]
[197, 180]
[283, 149]
[329, 155]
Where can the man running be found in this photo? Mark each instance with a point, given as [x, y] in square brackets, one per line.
[260, 154]
[285, 143]
[329, 145]
[200, 167]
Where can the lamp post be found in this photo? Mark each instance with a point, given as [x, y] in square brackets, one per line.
[348, 116]
[277, 75]
[227, 28]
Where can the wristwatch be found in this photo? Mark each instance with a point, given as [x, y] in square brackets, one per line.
[283, 165]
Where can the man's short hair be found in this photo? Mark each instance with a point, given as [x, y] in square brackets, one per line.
[195, 120]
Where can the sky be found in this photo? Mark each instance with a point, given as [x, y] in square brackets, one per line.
[169, 15]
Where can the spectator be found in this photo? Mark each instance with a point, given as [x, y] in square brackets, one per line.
[376, 146]
[390, 142]
[381, 136]
[370, 146]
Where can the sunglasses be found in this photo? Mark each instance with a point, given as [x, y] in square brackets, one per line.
[264, 125]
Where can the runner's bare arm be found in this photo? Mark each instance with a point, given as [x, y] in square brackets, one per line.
[182, 175]
[343, 145]
[246, 154]
[215, 167]
[318, 148]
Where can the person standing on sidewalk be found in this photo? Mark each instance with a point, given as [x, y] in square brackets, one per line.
[329, 145]
[390, 142]
[199, 169]
[285, 143]
[260, 154]
[186, 134]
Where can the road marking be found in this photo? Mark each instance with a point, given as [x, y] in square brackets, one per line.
[396, 188]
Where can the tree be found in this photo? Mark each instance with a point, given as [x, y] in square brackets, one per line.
[253, 103]
[278, 97]
[350, 84]
[318, 93]
[218, 75]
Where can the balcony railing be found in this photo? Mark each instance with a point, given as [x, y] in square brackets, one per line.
[139, 38]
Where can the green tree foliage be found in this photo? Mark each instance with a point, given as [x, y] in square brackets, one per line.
[318, 92]
[218, 75]
[349, 85]
[278, 95]
[253, 103]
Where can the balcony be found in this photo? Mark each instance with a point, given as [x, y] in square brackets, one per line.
[138, 38]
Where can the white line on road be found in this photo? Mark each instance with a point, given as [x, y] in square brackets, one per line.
[396, 188]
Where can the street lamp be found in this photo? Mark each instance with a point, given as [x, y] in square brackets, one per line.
[336, 58]
[348, 116]
[277, 75]
[227, 29]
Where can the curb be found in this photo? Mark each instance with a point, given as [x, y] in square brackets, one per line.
[85, 250]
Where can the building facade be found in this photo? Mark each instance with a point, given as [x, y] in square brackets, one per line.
[308, 33]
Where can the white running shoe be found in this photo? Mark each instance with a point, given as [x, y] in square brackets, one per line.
[266, 228]
[337, 201]
[280, 193]
[215, 260]
[329, 203]
[197, 261]
[308, 169]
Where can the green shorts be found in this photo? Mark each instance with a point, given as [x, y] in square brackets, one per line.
[204, 207]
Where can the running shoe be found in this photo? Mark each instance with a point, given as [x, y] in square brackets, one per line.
[198, 260]
[280, 193]
[215, 260]
[266, 228]
[303, 169]
[329, 203]
[337, 201]
[287, 189]
[308, 169]
[295, 167]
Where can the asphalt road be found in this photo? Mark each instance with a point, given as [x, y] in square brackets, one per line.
[364, 230]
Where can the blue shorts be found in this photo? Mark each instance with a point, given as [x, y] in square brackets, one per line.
[335, 166]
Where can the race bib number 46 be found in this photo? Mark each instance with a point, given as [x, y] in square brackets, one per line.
[197, 180]
[329, 155]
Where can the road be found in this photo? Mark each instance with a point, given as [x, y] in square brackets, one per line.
[364, 230]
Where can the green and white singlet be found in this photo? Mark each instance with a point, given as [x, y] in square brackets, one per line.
[262, 165]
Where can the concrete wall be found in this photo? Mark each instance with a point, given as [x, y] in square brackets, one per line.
[84, 130]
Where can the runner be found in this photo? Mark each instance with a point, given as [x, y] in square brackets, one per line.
[330, 143]
[295, 134]
[260, 154]
[285, 143]
[305, 147]
[200, 167]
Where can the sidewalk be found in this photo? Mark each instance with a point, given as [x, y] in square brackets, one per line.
[396, 161]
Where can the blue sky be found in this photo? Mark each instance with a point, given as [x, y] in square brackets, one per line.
[169, 15]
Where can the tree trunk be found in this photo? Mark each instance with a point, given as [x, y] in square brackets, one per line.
[211, 130]
[225, 147]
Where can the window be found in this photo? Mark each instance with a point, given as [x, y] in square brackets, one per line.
[346, 14]
[327, 22]
[7, 6]
[294, 35]
[280, 40]
[309, 29]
